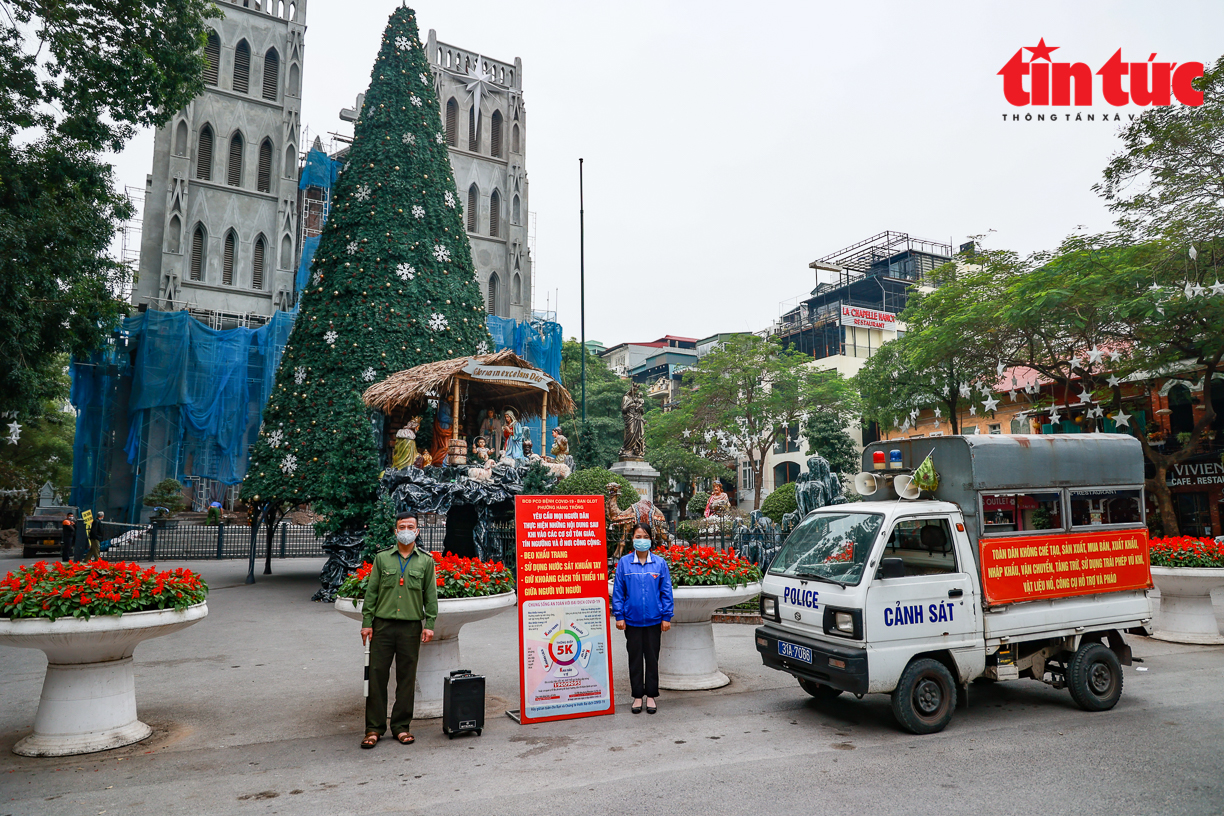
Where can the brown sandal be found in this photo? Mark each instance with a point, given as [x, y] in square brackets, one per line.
[370, 740]
[405, 738]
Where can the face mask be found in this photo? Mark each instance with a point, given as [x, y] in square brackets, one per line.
[405, 537]
[641, 544]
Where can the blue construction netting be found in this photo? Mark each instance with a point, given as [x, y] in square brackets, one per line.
[320, 170]
[170, 389]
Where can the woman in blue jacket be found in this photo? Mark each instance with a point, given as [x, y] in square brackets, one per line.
[642, 606]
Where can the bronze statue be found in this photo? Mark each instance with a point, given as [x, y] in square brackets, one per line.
[632, 410]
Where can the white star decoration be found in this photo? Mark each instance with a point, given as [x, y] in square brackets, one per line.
[405, 271]
[409, 138]
[938, 413]
[437, 321]
[289, 463]
[299, 375]
[403, 43]
[687, 433]
[479, 81]
[1122, 418]
[1054, 415]
[418, 212]
[1217, 288]
[1085, 396]
[964, 390]
[275, 438]
[368, 375]
[1094, 355]
[990, 404]
[415, 100]
[1011, 395]
[441, 253]
[1115, 356]
[363, 192]
[1113, 381]
[352, 247]
[999, 370]
[330, 337]
[14, 433]
[972, 410]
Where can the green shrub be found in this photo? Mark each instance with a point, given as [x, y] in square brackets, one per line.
[593, 482]
[697, 504]
[780, 502]
[687, 530]
[168, 493]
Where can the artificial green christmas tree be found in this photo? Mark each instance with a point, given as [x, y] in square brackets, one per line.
[393, 286]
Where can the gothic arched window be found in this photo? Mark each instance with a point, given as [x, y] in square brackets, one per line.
[199, 242]
[227, 259]
[212, 58]
[495, 134]
[452, 122]
[242, 67]
[495, 214]
[491, 304]
[264, 180]
[204, 154]
[473, 208]
[233, 175]
[257, 264]
[271, 74]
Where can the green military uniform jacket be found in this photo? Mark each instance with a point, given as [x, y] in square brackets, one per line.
[417, 599]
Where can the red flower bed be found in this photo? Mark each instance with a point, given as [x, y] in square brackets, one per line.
[83, 589]
[1185, 551]
[706, 566]
[457, 578]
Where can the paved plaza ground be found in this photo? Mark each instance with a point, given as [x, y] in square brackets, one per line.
[258, 709]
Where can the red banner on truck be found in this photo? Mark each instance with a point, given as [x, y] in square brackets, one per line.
[1029, 568]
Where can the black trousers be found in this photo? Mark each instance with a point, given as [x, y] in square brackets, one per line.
[397, 640]
[642, 642]
[67, 544]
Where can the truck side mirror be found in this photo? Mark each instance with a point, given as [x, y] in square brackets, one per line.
[892, 568]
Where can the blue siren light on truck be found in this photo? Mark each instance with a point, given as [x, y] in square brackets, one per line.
[894, 459]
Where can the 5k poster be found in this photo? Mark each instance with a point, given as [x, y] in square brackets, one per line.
[565, 664]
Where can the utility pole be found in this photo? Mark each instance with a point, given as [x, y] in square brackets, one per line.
[582, 287]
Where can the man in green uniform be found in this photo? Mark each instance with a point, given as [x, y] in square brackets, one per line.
[401, 605]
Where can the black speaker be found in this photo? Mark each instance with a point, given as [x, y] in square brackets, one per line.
[463, 703]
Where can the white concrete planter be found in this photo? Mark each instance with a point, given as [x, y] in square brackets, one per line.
[1186, 614]
[687, 659]
[440, 656]
[88, 698]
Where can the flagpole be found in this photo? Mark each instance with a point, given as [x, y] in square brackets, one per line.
[582, 287]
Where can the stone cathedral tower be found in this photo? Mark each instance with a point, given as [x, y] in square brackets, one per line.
[219, 233]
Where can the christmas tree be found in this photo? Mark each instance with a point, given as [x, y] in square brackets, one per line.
[393, 287]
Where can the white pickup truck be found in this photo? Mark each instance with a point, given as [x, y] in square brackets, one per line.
[1029, 560]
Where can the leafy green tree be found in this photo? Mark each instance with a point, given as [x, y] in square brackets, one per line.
[394, 287]
[43, 452]
[598, 443]
[826, 435]
[76, 78]
[678, 463]
[741, 398]
[167, 493]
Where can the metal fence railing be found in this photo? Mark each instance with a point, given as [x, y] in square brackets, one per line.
[185, 542]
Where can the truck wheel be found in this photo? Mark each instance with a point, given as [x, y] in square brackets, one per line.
[818, 690]
[1094, 678]
[925, 697]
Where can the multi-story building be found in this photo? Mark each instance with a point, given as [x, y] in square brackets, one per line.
[853, 310]
[219, 232]
[486, 128]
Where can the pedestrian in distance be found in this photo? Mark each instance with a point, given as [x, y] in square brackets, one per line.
[68, 541]
[95, 537]
[642, 606]
[398, 615]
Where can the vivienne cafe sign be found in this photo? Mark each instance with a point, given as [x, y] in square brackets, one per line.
[1198, 473]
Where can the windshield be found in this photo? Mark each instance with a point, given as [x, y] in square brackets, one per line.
[831, 546]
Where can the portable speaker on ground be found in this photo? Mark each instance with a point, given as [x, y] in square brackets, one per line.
[463, 703]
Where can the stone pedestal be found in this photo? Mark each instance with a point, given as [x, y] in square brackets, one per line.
[640, 474]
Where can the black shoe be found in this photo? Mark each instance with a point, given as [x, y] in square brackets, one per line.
[651, 709]
[636, 708]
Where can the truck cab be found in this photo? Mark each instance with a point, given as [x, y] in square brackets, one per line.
[890, 596]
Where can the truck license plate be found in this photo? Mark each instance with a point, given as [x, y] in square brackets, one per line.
[794, 651]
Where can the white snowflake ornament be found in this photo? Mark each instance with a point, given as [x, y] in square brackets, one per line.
[288, 464]
[415, 100]
[403, 43]
[368, 375]
[449, 198]
[352, 247]
[363, 192]
[330, 337]
[441, 253]
[438, 322]
[439, 138]
[418, 212]
[406, 271]
[299, 375]
[409, 138]
[275, 438]
[482, 347]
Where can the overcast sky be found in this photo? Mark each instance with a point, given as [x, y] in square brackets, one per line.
[727, 145]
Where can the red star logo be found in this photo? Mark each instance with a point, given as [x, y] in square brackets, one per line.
[1041, 50]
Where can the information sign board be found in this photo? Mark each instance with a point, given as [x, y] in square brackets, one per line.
[565, 664]
[1028, 568]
